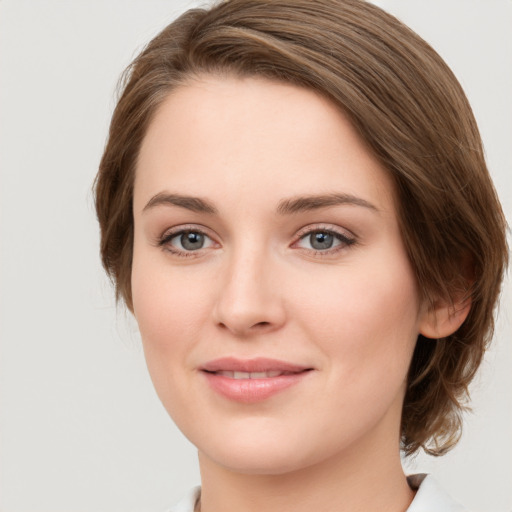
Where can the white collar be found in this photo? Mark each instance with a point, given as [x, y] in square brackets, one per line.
[429, 497]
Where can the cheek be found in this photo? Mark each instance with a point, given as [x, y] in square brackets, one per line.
[164, 296]
[365, 316]
[170, 313]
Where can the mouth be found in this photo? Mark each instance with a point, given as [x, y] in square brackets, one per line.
[254, 380]
[251, 375]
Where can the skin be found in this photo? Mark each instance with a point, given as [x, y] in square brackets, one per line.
[258, 288]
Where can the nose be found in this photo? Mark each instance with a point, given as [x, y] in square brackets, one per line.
[250, 298]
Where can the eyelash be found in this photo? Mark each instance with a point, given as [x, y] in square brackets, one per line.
[166, 238]
[344, 239]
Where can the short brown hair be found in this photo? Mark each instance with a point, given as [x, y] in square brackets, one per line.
[411, 111]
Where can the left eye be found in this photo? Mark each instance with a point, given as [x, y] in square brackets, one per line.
[323, 240]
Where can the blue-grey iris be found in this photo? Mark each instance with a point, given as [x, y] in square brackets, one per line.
[321, 240]
[192, 241]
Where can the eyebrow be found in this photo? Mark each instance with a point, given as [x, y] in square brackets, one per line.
[285, 207]
[194, 204]
[315, 202]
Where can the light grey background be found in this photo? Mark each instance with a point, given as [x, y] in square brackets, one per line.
[81, 427]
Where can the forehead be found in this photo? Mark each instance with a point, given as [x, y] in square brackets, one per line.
[256, 138]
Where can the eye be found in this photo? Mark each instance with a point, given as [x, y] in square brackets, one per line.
[186, 241]
[324, 240]
[321, 240]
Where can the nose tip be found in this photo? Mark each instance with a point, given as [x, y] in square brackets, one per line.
[248, 302]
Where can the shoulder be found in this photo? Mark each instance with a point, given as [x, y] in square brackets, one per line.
[430, 496]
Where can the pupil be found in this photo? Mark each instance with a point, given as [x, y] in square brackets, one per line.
[192, 241]
[321, 240]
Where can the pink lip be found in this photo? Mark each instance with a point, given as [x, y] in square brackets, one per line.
[253, 390]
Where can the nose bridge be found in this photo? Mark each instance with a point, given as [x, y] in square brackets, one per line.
[247, 300]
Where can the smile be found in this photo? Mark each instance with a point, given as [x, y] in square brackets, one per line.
[252, 381]
[252, 375]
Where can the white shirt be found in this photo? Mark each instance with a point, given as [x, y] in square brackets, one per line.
[429, 497]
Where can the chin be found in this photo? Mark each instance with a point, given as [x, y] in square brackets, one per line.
[258, 462]
[260, 455]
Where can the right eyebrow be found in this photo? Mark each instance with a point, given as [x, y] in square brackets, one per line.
[194, 204]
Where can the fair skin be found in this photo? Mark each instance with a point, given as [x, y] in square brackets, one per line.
[228, 264]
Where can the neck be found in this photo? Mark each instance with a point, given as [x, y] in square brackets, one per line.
[369, 481]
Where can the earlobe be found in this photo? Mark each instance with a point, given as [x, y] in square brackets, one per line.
[443, 318]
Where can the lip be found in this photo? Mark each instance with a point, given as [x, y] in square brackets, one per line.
[252, 390]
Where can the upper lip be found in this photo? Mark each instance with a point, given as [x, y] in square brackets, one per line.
[259, 364]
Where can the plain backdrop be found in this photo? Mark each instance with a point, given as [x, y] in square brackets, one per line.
[81, 427]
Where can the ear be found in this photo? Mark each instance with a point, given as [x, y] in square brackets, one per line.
[444, 317]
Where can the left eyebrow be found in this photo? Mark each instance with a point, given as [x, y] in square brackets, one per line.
[315, 202]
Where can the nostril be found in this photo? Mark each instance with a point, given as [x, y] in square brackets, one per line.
[261, 324]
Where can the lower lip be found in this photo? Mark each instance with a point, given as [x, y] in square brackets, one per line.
[250, 391]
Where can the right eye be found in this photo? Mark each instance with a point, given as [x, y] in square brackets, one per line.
[186, 241]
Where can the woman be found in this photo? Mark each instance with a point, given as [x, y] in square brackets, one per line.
[295, 206]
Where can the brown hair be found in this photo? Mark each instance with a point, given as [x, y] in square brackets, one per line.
[411, 111]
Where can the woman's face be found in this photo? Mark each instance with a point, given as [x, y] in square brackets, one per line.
[277, 306]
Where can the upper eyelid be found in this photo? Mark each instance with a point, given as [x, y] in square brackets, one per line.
[325, 227]
[176, 230]
[300, 232]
